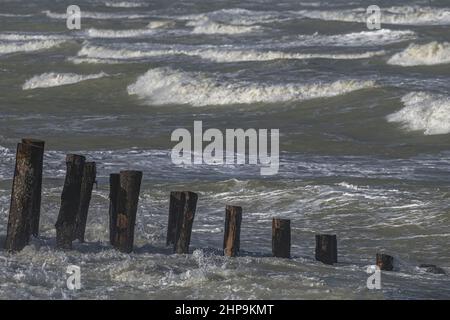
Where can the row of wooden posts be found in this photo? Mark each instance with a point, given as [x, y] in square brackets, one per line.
[124, 196]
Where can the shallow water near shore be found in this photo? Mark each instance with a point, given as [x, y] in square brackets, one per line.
[364, 142]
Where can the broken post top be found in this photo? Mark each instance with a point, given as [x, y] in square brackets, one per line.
[131, 173]
[75, 158]
[233, 208]
[34, 142]
[189, 193]
[280, 221]
[325, 235]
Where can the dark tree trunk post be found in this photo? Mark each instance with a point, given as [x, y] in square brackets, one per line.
[232, 231]
[385, 262]
[184, 219]
[128, 198]
[176, 208]
[87, 184]
[37, 163]
[176, 205]
[114, 186]
[22, 197]
[70, 201]
[326, 248]
[281, 238]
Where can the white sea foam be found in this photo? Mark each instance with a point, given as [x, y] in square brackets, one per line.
[53, 79]
[216, 55]
[157, 24]
[229, 21]
[4, 151]
[401, 15]
[130, 33]
[101, 52]
[235, 16]
[166, 86]
[96, 15]
[252, 55]
[427, 54]
[363, 38]
[125, 4]
[28, 46]
[32, 36]
[206, 26]
[424, 111]
[13, 15]
[80, 60]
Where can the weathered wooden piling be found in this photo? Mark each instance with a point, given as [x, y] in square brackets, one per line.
[281, 238]
[181, 203]
[326, 248]
[181, 217]
[127, 205]
[87, 184]
[385, 262]
[37, 163]
[176, 205]
[232, 231]
[70, 201]
[114, 186]
[23, 197]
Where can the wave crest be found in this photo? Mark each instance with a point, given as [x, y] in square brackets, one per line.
[215, 55]
[427, 54]
[426, 112]
[400, 15]
[53, 79]
[166, 86]
[28, 46]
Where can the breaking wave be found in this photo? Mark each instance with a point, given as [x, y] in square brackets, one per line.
[98, 33]
[363, 38]
[215, 55]
[96, 15]
[236, 16]
[101, 52]
[427, 54]
[209, 27]
[124, 4]
[423, 111]
[12, 15]
[166, 86]
[27, 46]
[31, 36]
[53, 79]
[401, 15]
[157, 24]
[252, 55]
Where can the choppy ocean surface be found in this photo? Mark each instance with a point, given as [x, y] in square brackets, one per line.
[364, 119]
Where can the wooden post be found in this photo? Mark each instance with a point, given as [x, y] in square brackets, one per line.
[70, 201]
[326, 248]
[232, 231]
[87, 184]
[127, 205]
[22, 197]
[114, 186]
[385, 262]
[37, 163]
[178, 204]
[281, 238]
[184, 213]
